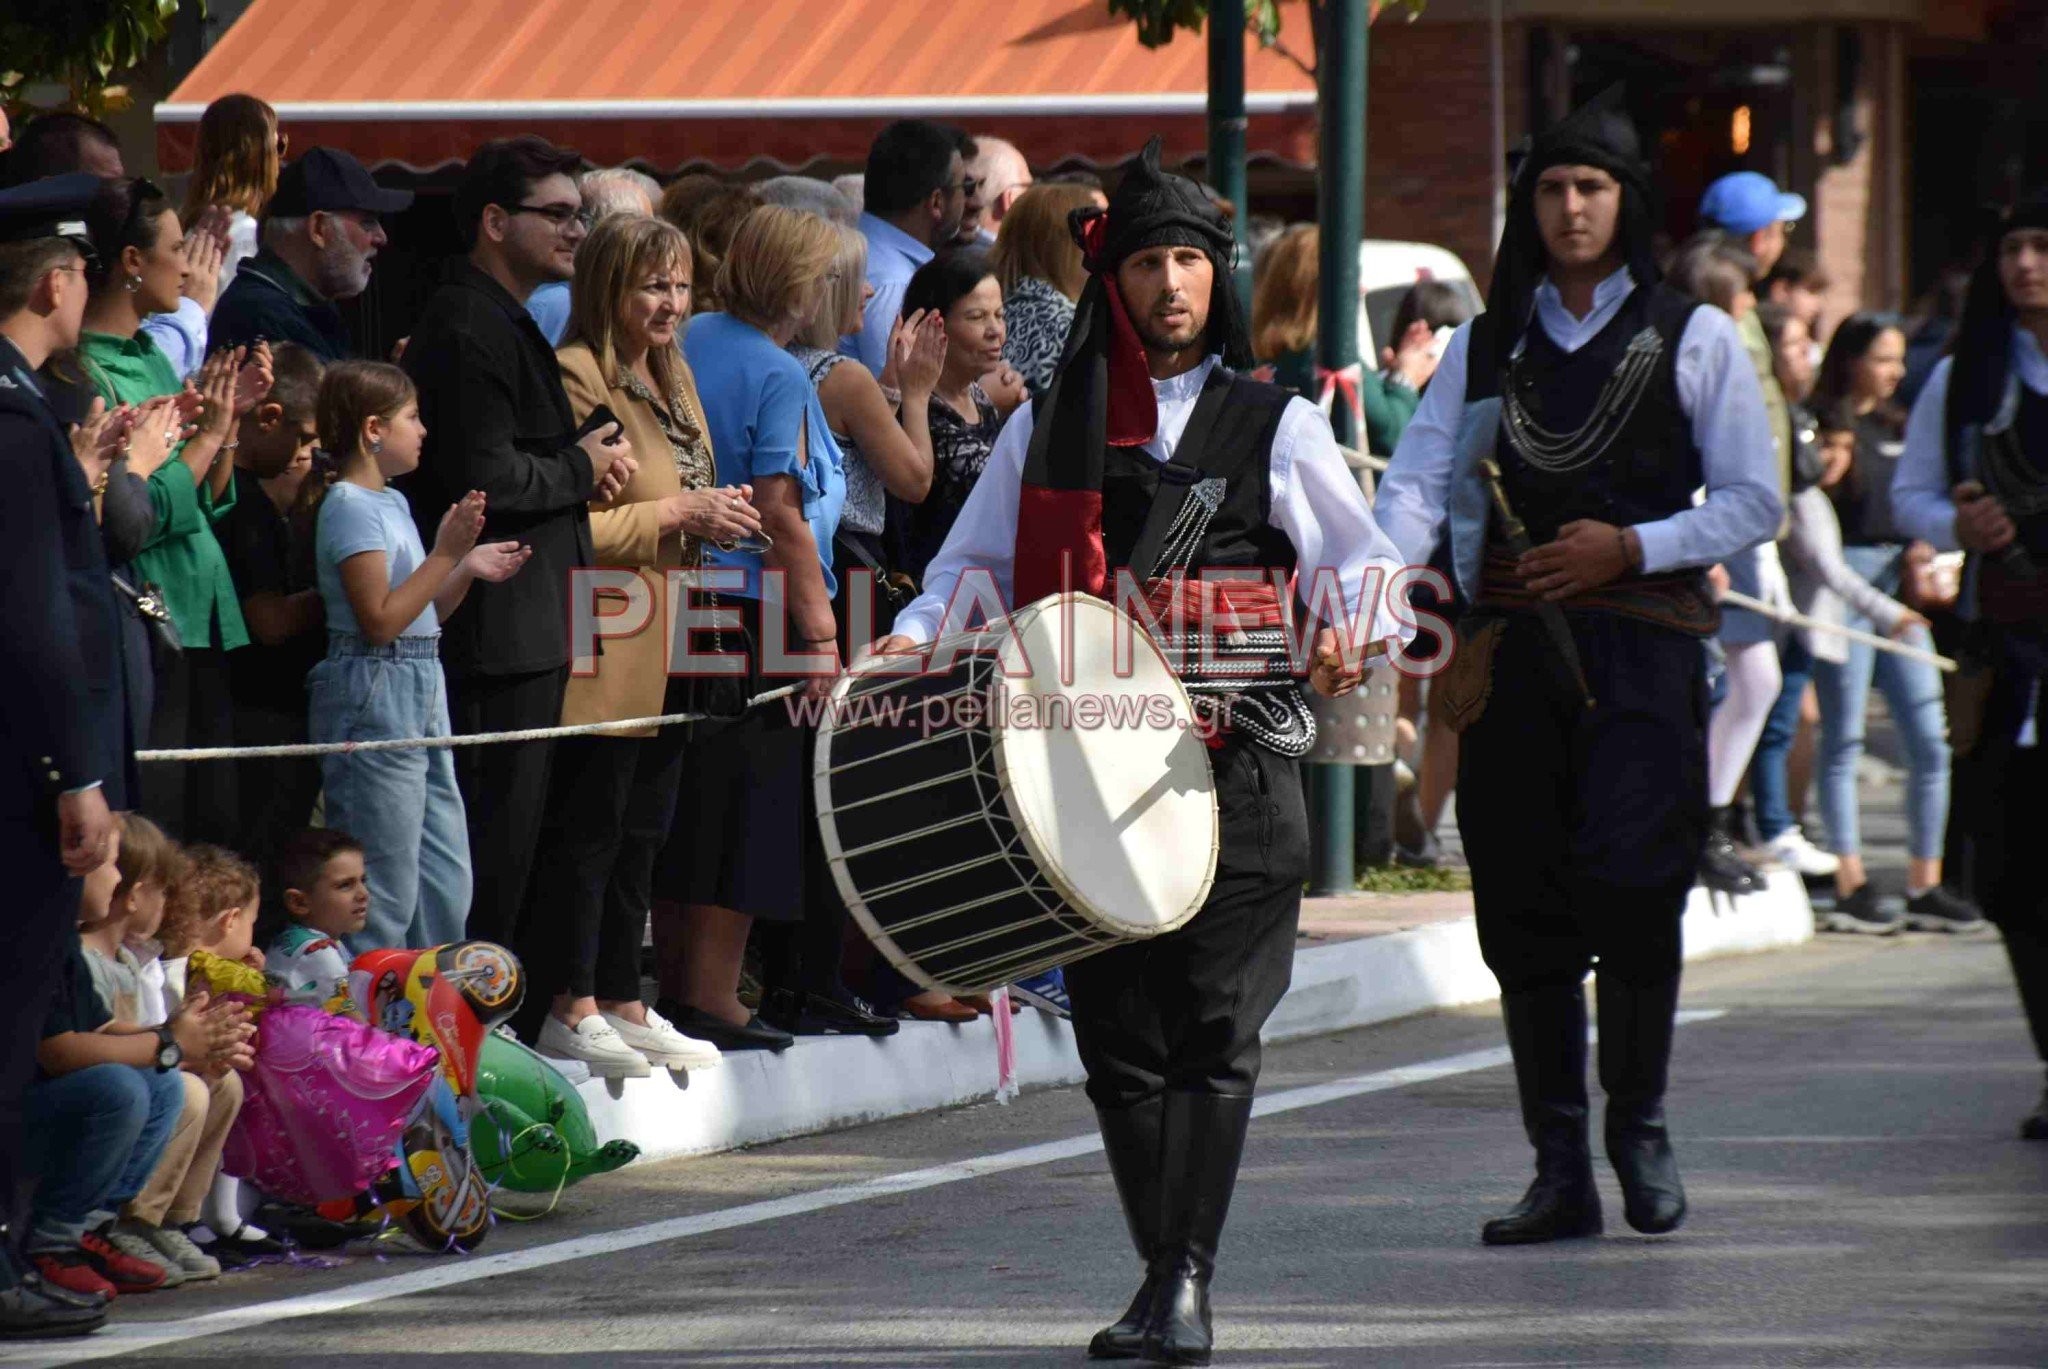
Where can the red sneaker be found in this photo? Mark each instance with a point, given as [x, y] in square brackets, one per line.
[126, 1273]
[72, 1271]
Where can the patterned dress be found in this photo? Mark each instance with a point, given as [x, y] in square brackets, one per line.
[959, 452]
[1038, 318]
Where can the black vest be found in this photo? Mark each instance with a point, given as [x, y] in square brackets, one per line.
[1239, 449]
[2032, 429]
[1648, 471]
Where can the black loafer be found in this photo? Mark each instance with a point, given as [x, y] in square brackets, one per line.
[813, 1014]
[755, 1035]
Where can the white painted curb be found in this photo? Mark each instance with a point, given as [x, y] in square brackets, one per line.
[823, 1083]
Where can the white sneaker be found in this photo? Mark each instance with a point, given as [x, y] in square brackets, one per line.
[1793, 849]
[663, 1045]
[593, 1042]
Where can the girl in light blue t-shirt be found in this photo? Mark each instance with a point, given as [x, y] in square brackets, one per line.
[385, 597]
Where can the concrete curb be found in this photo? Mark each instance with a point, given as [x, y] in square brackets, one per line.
[824, 1083]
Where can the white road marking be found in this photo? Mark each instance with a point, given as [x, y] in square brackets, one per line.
[134, 1337]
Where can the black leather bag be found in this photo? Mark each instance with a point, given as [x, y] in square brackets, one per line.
[148, 607]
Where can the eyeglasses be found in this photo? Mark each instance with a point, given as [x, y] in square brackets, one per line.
[560, 215]
[967, 186]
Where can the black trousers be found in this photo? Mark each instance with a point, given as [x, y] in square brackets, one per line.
[276, 795]
[44, 898]
[505, 790]
[1584, 827]
[193, 800]
[610, 800]
[1182, 1012]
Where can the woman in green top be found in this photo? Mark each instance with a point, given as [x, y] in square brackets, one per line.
[139, 271]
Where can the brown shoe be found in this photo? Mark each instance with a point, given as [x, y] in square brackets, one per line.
[938, 1007]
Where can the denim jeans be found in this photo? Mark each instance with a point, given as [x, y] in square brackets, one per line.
[1912, 694]
[403, 806]
[94, 1136]
[1767, 780]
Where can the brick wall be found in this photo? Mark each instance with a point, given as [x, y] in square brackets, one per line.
[1429, 173]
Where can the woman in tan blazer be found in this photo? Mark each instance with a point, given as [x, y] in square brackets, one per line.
[611, 796]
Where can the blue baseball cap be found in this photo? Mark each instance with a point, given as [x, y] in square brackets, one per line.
[1744, 201]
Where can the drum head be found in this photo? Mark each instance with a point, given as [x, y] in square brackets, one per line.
[1102, 770]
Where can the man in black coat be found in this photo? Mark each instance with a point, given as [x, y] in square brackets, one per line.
[498, 421]
[63, 771]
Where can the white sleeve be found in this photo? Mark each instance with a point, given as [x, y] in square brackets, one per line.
[1317, 503]
[1921, 504]
[1412, 496]
[1717, 388]
[983, 538]
[180, 336]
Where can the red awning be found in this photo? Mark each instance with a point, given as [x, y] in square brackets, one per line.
[784, 82]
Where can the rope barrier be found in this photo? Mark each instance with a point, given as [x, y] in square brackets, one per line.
[1788, 617]
[529, 734]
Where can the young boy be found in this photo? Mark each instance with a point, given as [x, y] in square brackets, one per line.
[101, 1112]
[125, 965]
[327, 898]
[272, 571]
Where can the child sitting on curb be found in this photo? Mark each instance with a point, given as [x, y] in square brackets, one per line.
[327, 898]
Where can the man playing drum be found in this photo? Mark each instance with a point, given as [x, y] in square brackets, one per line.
[1147, 455]
[1588, 402]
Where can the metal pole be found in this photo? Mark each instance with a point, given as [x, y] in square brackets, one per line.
[1340, 74]
[1226, 129]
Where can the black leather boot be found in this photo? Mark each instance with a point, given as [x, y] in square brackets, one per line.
[1201, 1143]
[1722, 868]
[1130, 1138]
[1635, 1055]
[1547, 1032]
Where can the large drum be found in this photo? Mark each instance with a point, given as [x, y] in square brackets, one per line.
[1043, 797]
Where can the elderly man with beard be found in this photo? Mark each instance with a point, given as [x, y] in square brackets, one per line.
[320, 232]
[1145, 440]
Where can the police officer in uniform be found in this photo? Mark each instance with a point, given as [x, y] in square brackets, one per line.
[1147, 454]
[1596, 401]
[63, 774]
[1975, 477]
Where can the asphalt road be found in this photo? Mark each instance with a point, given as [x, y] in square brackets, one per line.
[1846, 1127]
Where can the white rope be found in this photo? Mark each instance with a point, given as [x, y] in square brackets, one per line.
[1787, 616]
[529, 734]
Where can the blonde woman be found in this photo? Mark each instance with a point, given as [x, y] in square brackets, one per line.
[1038, 264]
[240, 151]
[611, 797]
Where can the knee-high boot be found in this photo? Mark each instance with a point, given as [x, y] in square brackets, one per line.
[1547, 1032]
[2027, 948]
[1636, 1023]
[1130, 1138]
[1202, 1142]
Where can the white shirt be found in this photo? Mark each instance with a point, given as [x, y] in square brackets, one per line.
[1922, 508]
[1316, 503]
[1717, 389]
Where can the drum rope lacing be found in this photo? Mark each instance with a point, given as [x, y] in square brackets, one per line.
[1558, 453]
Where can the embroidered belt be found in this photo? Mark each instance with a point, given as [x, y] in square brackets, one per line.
[1679, 602]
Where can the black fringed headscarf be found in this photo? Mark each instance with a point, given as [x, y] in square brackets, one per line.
[1101, 396]
[1983, 339]
[1598, 133]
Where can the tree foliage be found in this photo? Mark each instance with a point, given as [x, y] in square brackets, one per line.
[83, 46]
[1159, 20]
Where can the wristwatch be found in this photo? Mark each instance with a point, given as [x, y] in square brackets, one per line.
[169, 1054]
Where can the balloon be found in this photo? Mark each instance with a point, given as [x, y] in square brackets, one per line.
[533, 1134]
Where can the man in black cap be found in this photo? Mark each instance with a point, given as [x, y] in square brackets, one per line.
[1148, 456]
[320, 231]
[1599, 401]
[62, 774]
[1975, 476]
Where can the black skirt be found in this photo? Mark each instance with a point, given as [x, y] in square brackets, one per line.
[745, 821]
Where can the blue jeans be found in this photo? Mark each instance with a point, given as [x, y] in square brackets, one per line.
[94, 1137]
[403, 806]
[1767, 783]
[1912, 694]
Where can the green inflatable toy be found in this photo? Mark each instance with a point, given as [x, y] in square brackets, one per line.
[533, 1134]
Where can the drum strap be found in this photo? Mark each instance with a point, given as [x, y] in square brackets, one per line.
[1166, 530]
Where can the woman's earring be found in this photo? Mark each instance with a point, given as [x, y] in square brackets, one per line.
[134, 283]
[376, 447]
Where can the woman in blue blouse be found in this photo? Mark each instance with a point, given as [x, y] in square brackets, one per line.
[742, 847]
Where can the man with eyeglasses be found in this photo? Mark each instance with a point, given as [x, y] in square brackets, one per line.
[320, 231]
[917, 194]
[1001, 176]
[498, 421]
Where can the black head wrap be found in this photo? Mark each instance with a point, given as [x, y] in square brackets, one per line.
[1598, 133]
[1983, 339]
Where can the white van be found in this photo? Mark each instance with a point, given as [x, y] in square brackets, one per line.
[1386, 270]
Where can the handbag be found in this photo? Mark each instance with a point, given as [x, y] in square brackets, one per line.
[147, 604]
[893, 589]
